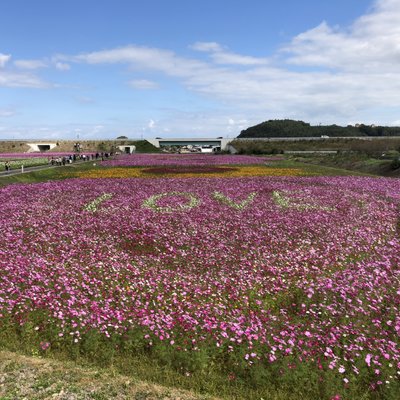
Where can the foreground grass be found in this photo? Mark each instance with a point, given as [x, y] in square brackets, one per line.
[102, 373]
[316, 169]
[48, 174]
[354, 163]
[23, 377]
[96, 369]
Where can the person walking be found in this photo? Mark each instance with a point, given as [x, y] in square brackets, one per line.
[7, 166]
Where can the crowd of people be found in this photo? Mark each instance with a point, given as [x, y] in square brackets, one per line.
[69, 159]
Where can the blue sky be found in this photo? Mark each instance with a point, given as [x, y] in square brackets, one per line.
[100, 69]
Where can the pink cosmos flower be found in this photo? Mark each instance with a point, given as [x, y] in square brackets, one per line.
[368, 359]
[44, 345]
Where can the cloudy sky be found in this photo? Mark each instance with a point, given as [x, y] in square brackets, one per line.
[105, 68]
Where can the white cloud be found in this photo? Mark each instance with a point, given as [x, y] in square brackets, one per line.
[17, 79]
[30, 64]
[6, 112]
[145, 58]
[85, 100]
[340, 86]
[37, 64]
[72, 131]
[236, 125]
[371, 44]
[237, 59]
[253, 87]
[62, 66]
[206, 46]
[143, 84]
[20, 80]
[4, 58]
[151, 124]
[219, 55]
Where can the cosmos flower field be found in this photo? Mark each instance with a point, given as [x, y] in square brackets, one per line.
[184, 159]
[271, 273]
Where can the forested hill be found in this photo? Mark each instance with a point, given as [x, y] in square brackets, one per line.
[291, 128]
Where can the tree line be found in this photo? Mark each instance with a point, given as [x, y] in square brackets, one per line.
[292, 128]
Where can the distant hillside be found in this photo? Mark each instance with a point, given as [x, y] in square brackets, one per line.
[291, 128]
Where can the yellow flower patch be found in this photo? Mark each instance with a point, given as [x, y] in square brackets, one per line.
[241, 171]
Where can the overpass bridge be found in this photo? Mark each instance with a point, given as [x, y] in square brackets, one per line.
[218, 142]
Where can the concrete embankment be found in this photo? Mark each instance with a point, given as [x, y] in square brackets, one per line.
[25, 146]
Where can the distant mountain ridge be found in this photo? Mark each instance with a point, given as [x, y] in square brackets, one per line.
[292, 128]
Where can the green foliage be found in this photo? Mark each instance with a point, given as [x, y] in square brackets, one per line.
[143, 146]
[291, 128]
[103, 146]
[395, 164]
[368, 147]
[201, 367]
